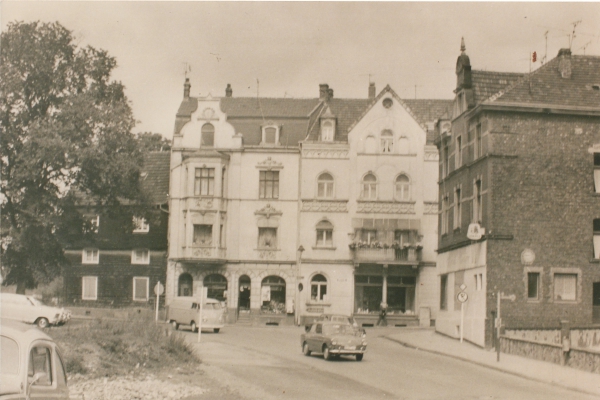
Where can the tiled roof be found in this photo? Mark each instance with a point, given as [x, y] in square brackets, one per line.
[428, 110]
[488, 83]
[292, 130]
[346, 112]
[155, 176]
[548, 87]
[267, 107]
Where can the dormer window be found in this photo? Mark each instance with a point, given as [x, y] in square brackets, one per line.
[327, 130]
[270, 135]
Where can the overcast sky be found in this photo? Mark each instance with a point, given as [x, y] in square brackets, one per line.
[293, 47]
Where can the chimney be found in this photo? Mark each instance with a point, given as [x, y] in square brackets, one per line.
[323, 91]
[371, 90]
[228, 91]
[564, 64]
[186, 88]
[330, 94]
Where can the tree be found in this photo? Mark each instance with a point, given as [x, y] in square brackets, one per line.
[66, 134]
[153, 142]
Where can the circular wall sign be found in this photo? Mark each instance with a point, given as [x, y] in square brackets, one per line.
[527, 257]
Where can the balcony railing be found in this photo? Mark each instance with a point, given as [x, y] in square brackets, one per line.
[204, 253]
[390, 254]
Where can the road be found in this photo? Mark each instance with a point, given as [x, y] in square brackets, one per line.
[267, 363]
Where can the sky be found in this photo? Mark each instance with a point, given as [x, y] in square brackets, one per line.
[286, 49]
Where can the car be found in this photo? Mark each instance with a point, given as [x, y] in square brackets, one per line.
[335, 318]
[28, 309]
[334, 339]
[184, 311]
[32, 365]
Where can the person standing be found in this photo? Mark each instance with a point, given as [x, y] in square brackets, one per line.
[382, 321]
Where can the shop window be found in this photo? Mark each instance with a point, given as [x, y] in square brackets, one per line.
[267, 238]
[402, 188]
[90, 256]
[204, 182]
[318, 288]
[89, 288]
[324, 234]
[140, 256]
[216, 287]
[457, 208]
[387, 141]
[272, 295]
[565, 287]
[401, 294]
[369, 187]
[444, 292]
[269, 185]
[477, 202]
[597, 171]
[40, 361]
[185, 285]
[208, 135]
[140, 225]
[202, 235]
[325, 186]
[597, 238]
[533, 286]
[141, 288]
[368, 293]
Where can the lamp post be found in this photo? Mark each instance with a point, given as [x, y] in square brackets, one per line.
[298, 285]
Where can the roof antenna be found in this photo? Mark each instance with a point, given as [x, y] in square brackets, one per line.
[546, 51]
[186, 69]
[572, 37]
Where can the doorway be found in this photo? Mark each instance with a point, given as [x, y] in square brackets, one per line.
[244, 295]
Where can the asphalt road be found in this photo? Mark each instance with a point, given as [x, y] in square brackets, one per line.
[267, 363]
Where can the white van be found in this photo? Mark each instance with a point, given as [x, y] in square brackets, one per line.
[184, 311]
[28, 309]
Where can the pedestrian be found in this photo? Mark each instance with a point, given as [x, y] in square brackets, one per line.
[382, 321]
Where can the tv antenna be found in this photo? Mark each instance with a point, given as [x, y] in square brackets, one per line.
[187, 68]
[546, 51]
[572, 36]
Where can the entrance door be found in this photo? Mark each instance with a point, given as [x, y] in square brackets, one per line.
[244, 295]
[596, 303]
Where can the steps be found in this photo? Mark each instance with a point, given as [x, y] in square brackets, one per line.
[244, 319]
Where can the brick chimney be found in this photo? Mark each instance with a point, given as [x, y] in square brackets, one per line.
[330, 94]
[186, 88]
[564, 63]
[323, 92]
[371, 90]
[228, 91]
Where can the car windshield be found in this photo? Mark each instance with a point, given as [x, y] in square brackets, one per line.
[9, 355]
[338, 329]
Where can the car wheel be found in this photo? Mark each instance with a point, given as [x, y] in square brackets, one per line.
[326, 354]
[42, 322]
[305, 349]
[359, 357]
[216, 330]
[175, 325]
[194, 327]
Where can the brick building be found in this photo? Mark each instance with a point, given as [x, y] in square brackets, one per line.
[520, 156]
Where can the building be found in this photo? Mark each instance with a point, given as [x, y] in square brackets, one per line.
[520, 158]
[113, 266]
[289, 208]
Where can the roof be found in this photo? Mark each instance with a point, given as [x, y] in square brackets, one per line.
[488, 83]
[265, 107]
[546, 85]
[155, 176]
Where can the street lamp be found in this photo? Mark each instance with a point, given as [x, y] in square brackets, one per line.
[298, 285]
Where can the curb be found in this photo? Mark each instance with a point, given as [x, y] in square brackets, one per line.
[520, 375]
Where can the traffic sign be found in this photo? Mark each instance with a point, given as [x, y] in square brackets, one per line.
[462, 297]
[159, 289]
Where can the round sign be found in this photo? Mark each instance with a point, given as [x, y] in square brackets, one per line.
[159, 289]
[462, 297]
[527, 257]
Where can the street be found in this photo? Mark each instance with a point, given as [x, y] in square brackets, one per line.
[267, 362]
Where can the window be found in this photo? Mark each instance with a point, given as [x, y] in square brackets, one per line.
[185, 285]
[318, 288]
[269, 185]
[597, 171]
[141, 287]
[208, 135]
[90, 256]
[444, 292]
[445, 214]
[325, 186]
[89, 288]
[457, 208]
[222, 236]
[533, 285]
[324, 234]
[204, 182]
[478, 282]
[270, 135]
[216, 287]
[387, 141]
[597, 238]
[140, 225]
[140, 256]
[202, 235]
[40, 361]
[327, 131]
[477, 204]
[402, 188]
[403, 237]
[445, 159]
[565, 287]
[368, 235]
[458, 151]
[478, 145]
[369, 187]
[267, 238]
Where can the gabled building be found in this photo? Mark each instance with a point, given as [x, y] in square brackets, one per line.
[290, 208]
[519, 162]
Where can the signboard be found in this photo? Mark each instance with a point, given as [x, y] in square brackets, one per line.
[159, 289]
[475, 232]
[462, 297]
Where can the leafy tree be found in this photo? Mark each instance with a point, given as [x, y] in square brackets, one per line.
[153, 142]
[66, 135]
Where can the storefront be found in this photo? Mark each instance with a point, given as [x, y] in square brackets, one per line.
[272, 295]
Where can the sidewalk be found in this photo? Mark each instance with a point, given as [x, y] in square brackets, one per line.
[432, 342]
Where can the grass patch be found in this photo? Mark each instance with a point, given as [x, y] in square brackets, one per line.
[104, 348]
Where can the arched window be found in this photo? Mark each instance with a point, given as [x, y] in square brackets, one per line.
[325, 186]
[318, 288]
[208, 135]
[387, 141]
[272, 295]
[327, 131]
[369, 187]
[185, 285]
[216, 285]
[402, 187]
[324, 234]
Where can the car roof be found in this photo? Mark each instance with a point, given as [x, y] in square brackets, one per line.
[20, 332]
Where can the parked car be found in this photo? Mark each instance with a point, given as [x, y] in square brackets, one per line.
[28, 309]
[333, 339]
[185, 310]
[32, 366]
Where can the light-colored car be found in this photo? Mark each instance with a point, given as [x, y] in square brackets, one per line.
[185, 311]
[20, 307]
[333, 339]
[31, 365]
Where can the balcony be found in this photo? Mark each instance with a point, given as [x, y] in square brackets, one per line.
[204, 253]
[389, 255]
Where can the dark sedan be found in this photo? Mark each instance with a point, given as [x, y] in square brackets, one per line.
[333, 339]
